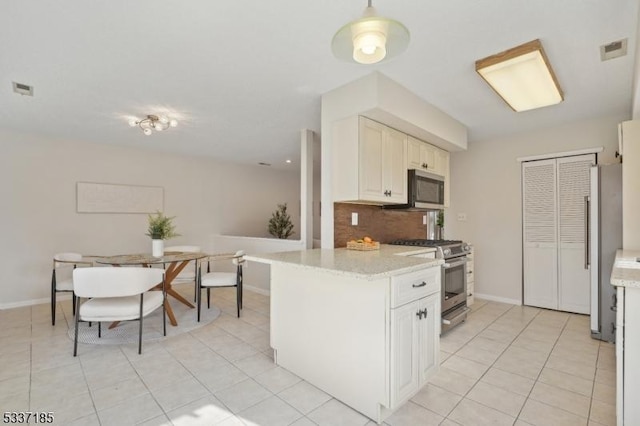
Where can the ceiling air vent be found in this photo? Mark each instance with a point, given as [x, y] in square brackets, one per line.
[615, 49]
[22, 89]
[264, 164]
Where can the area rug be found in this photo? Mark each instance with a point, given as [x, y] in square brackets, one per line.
[127, 332]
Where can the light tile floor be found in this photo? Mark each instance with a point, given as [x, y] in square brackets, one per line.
[506, 365]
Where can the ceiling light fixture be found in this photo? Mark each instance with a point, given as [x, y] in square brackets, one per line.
[370, 39]
[153, 122]
[522, 76]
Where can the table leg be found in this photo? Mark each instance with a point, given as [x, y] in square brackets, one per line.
[172, 317]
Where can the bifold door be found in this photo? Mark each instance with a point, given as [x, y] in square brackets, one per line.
[555, 192]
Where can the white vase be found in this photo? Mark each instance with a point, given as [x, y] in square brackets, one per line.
[157, 248]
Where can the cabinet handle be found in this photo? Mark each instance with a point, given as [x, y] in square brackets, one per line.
[419, 315]
[426, 313]
[422, 284]
[389, 193]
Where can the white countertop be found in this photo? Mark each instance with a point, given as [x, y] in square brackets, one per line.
[626, 269]
[374, 264]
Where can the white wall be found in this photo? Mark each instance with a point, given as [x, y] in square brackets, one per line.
[37, 187]
[485, 184]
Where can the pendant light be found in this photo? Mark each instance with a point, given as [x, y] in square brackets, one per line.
[370, 39]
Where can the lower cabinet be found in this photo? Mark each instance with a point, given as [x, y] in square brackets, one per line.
[415, 346]
[470, 278]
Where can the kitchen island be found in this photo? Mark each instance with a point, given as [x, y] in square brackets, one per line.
[361, 325]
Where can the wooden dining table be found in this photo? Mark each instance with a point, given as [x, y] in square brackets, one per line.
[173, 262]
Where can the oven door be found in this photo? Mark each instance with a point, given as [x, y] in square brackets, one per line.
[454, 283]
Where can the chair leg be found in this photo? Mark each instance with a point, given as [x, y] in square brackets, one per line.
[199, 296]
[99, 329]
[73, 304]
[53, 297]
[140, 331]
[208, 298]
[238, 299]
[75, 338]
[164, 318]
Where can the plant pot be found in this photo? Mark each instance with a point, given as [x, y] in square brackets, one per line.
[157, 248]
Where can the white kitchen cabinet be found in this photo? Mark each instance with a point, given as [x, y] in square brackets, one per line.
[423, 156]
[414, 329]
[369, 162]
[355, 337]
[470, 278]
[442, 168]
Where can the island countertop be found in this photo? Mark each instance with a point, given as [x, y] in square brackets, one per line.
[626, 269]
[370, 265]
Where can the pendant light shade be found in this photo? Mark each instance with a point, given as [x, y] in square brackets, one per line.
[370, 39]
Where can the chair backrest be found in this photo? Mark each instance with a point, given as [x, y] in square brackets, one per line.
[66, 257]
[186, 249]
[238, 258]
[115, 282]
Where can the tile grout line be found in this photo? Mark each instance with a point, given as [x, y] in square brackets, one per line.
[504, 350]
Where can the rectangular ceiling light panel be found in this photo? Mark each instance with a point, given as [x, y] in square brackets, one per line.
[522, 76]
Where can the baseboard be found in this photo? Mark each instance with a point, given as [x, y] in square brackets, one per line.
[258, 290]
[498, 299]
[32, 302]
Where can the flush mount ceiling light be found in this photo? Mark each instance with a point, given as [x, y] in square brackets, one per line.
[153, 122]
[522, 76]
[370, 39]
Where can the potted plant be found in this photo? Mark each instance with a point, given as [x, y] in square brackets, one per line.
[280, 225]
[160, 228]
[440, 225]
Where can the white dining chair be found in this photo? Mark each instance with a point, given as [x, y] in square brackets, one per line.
[186, 275]
[221, 279]
[62, 279]
[117, 294]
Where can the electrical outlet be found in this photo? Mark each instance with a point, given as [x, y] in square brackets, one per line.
[354, 219]
[462, 217]
[424, 219]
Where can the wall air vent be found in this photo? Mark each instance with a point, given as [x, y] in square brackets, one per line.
[22, 89]
[615, 49]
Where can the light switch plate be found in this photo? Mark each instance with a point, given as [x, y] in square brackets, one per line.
[354, 219]
[424, 219]
[462, 217]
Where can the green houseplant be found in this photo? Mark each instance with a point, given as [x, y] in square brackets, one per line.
[280, 225]
[160, 228]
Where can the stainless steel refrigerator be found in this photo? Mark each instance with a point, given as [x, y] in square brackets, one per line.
[604, 206]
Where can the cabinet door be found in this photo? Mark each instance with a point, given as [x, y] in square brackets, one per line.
[429, 336]
[372, 147]
[415, 153]
[394, 166]
[442, 168]
[405, 357]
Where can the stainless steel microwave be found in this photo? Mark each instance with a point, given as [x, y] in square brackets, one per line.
[425, 192]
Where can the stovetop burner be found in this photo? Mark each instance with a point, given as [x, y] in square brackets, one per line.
[425, 243]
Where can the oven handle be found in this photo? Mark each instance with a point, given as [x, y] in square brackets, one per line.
[449, 265]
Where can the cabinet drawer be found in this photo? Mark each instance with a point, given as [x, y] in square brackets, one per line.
[408, 287]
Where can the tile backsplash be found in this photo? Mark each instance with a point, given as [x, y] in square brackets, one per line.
[375, 222]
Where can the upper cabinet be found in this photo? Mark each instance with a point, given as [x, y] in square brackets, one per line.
[429, 158]
[421, 155]
[369, 162]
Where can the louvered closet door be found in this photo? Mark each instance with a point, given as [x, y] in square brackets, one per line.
[540, 249]
[573, 186]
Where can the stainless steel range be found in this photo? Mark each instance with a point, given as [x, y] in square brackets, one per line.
[454, 277]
